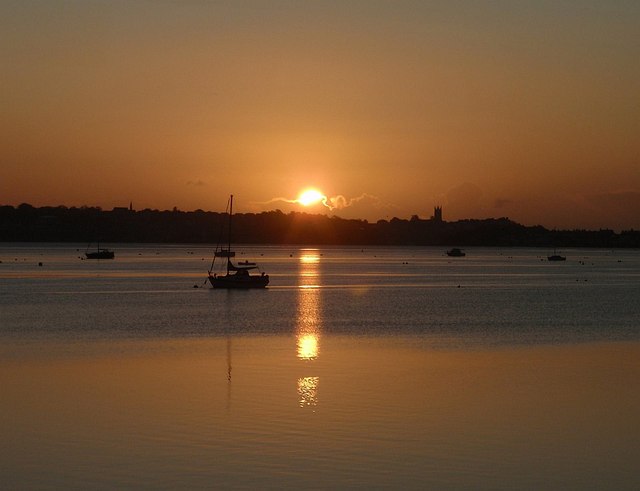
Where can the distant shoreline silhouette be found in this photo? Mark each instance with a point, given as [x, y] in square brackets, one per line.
[26, 223]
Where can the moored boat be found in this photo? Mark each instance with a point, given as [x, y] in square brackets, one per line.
[556, 257]
[455, 252]
[99, 253]
[235, 276]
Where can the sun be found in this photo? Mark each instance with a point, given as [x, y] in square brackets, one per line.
[310, 197]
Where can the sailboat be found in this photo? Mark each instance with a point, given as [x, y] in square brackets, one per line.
[556, 257]
[99, 253]
[234, 275]
[455, 252]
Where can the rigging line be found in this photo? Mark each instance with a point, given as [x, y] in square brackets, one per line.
[220, 235]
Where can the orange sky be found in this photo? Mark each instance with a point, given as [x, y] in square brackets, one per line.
[529, 110]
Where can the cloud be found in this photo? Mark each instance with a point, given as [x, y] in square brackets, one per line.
[339, 202]
[198, 182]
[364, 205]
[275, 200]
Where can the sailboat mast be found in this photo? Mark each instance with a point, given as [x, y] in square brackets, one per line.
[229, 248]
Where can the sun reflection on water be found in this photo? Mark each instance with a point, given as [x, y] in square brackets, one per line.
[308, 346]
[309, 321]
[310, 256]
[308, 316]
[308, 391]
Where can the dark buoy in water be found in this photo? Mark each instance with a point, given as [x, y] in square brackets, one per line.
[40, 264]
[196, 286]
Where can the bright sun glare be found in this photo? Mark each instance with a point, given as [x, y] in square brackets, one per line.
[310, 197]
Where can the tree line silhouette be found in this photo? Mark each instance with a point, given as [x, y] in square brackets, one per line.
[26, 223]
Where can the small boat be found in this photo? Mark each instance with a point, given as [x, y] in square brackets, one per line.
[455, 252]
[235, 276]
[99, 253]
[556, 257]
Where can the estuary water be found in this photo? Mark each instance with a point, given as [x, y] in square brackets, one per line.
[357, 368]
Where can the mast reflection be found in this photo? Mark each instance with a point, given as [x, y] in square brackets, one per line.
[308, 324]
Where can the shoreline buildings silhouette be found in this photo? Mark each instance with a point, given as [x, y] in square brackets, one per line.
[26, 223]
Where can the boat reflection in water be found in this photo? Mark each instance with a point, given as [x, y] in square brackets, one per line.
[308, 324]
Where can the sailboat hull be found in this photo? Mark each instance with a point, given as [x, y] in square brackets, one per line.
[235, 281]
[101, 254]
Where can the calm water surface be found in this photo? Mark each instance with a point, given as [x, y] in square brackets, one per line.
[357, 368]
